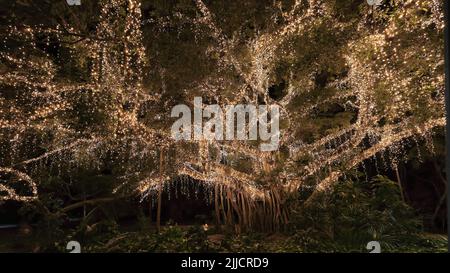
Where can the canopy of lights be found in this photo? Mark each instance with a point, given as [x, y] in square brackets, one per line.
[385, 74]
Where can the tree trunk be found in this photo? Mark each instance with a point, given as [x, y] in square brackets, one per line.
[150, 208]
[160, 188]
[399, 181]
[216, 204]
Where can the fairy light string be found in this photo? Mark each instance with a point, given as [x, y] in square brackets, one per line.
[394, 74]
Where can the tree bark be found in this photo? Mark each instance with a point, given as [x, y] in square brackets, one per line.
[150, 208]
[160, 188]
[216, 204]
[399, 181]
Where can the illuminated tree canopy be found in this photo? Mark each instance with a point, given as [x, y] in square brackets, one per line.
[93, 89]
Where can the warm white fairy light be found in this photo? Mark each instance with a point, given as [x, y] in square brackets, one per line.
[118, 63]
